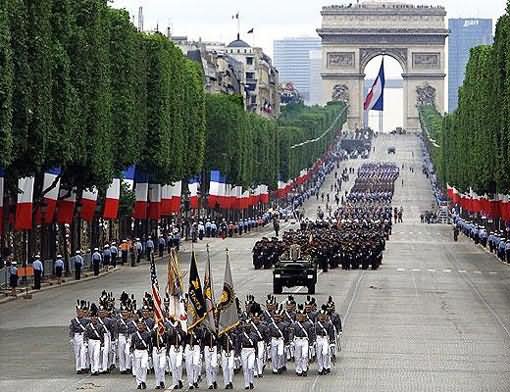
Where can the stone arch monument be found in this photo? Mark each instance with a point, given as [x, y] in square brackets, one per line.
[352, 35]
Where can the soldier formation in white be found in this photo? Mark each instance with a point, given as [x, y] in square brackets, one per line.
[106, 339]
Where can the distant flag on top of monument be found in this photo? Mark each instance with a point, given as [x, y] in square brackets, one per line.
[250, 31]
[375, 97]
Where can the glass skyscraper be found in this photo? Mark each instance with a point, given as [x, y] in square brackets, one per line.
[291, 56]
[464, 34]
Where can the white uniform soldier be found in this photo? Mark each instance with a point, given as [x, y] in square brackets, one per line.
[141, 345]
[210, 358]
[159, 342]
[94, 338]
[303, 335]
[192, 353]
[77, 329]
[227, 343]
[175, 344]
[261, 330]
[106, 325]
[325, 332]
[247, 342]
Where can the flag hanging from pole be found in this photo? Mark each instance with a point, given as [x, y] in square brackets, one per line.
[375, 97]
[229, 319]
[174, 288]
[158, 312]
[210, 319]
[196, 302]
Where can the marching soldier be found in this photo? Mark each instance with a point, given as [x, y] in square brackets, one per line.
[175, 346]
[126, 328]
[192, 352]
[261, 331]
[210, 358]
[247, 346]
[78, 264]
[303, 336]
[94, 338]
[278, 330]
[159, 350]
[227, 343]
[141, 345]
[325, 336]
[77, 330]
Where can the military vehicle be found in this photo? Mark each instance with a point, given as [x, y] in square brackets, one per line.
[293, 270]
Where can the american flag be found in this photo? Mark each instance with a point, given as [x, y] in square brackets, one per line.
[158, 313]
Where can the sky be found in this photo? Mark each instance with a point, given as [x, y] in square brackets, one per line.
[270, 19]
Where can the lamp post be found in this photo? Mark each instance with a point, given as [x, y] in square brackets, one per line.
[43, 208]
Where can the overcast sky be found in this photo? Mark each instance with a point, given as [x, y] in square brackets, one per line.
[271, 19]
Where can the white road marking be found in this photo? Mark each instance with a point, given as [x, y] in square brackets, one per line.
[431, 270]
[416, 270]
[447, 270]
[493, 273]
[462, 271]
[401, 269]
[477, 272]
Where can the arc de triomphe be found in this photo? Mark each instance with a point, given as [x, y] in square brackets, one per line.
[355, 34]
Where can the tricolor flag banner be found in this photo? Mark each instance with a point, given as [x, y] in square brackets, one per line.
[228, 198]
[237, 193]
[193, 187]
[216, 188]
[264, 194]
[175, 290]
[141, 195]
[245, 199]
[111, 201]
[210, 319]
[196, 301]
[2, 175]
[88, 204]
[375, 98]
[449, 191]
[24, 204]
[66, 205]
[228, 318]
[128, 177]
[158, 312]
[155, 201]
[50, 197]
[280, 193]
[166, 197]
[175, 200]
[455, 196]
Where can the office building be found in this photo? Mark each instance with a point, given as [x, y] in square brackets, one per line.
[464, 34]
[292, 59]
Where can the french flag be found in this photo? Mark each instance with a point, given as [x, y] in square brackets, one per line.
[88, 204]
[141, 194]
[245, 199]
[280, 193]
[24, 204]
[216, 188]
[155, 201]
[50, 198]
[175, 199]
[128, 177]
[237, 192]
[375, 97]
[2, 175]
[66, 205]
[228, 198]
[264, 194]
[166, 200]
[111, 201]
[193, 187]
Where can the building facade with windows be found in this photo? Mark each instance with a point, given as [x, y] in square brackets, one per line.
[464, 34]
[292, 59]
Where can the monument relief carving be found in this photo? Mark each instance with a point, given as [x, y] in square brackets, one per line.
[341, 59]
[425, 95]
[426, 60]
[340, 93]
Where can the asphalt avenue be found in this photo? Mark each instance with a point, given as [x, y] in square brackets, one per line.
[434, 317]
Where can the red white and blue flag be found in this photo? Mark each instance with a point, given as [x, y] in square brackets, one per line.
[375, 97]
[158, 311]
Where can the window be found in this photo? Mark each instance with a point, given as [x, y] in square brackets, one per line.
[250, 75]
[249, 60]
